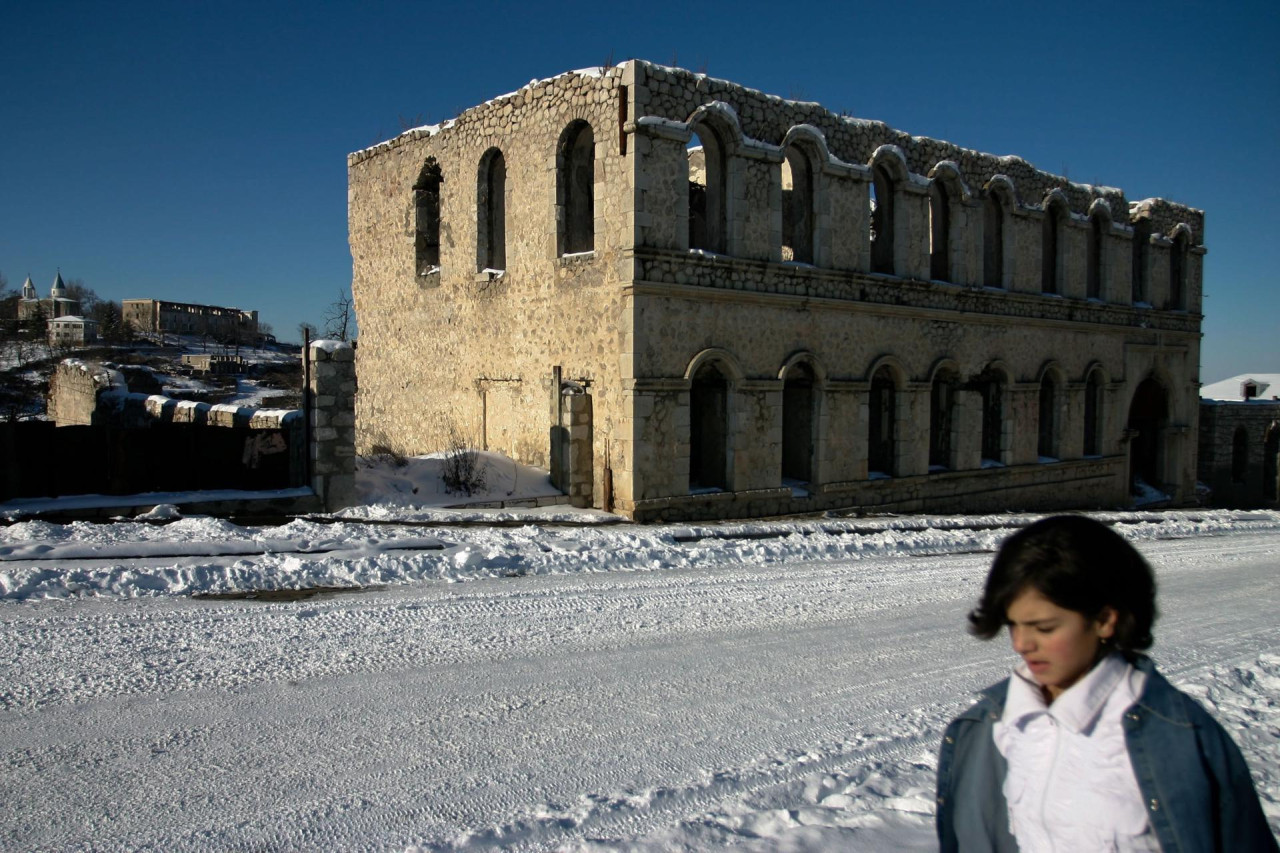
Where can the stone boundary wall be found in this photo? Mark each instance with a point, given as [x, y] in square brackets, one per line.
[91, 394]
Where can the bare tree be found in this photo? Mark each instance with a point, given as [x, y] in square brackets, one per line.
[82, 293]
[338, 319]
[306, 331]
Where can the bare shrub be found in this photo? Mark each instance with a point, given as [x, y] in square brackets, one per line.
[382, 453]
[463, 473]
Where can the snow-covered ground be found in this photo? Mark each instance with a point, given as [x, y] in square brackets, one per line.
[543, 679]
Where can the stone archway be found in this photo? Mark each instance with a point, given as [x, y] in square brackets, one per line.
[798, 424]
[708, 429]
[1148, 417]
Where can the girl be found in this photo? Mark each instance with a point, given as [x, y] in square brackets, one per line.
[1086, 747]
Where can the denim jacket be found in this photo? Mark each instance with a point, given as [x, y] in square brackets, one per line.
[1195, 783]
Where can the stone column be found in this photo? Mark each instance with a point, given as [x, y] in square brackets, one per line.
[333, 422]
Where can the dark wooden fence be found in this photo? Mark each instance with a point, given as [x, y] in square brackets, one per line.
[39, 459]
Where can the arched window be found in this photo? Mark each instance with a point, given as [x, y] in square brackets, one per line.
[1047, 445]
[708, 429]
[883, 410]
[1178, 272]
[1051, 247]
[426, 217]
[707, 172]
[798, 424]
[942, 405]
[491, 212]
[797, 206]
[1239, 455]
[575, 189]
[939, 231]
[992, 387]
[1141, 267]
[1094, 261]
[992, 241]
[1093, 415]
[882, 188]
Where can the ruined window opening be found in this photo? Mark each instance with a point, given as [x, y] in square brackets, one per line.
[797, 424]
[1094, 260]
[1047, 444]
[1051, 240]
[491, 212]
[992, 390]
[992, 241]
[1141, 249]
[426, 218]
[708, 429]
[1239, 455]
[797, 207]
[883, 409]
[882, 187]
[575, 188]
[942, 404]
[1093, 415]
[1178, 273]
[706, 192]
[939, 231]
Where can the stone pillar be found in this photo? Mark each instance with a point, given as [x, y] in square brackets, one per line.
[577, 410]
[333, 422]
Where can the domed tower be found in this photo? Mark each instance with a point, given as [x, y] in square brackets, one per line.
[59, 290]
[29, 289]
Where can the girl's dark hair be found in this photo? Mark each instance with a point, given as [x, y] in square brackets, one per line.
[1078, 564]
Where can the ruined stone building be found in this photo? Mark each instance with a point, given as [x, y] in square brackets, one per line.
[691, 299]
[159, 316]
[1240, 440]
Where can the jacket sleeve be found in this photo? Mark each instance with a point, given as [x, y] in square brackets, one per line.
[1242, 825]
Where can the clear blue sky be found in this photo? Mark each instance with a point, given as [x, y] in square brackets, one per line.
[197, 151]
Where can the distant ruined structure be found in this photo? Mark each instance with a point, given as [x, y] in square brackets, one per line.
[158, 316]
[690, 299]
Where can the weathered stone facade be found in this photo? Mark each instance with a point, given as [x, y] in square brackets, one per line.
[793, 311]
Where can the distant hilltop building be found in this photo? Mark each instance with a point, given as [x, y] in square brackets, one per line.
[57, 304]
[691, 299]
[158, 316]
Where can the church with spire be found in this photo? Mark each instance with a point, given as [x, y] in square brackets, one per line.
[56, 304]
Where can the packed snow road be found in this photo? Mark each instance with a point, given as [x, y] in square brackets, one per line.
[777, 705]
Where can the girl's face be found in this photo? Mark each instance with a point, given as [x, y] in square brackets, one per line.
[1058, 645]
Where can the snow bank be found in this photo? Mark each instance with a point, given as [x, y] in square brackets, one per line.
[41, 560]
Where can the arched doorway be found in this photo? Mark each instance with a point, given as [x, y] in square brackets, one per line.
[1271, 464]
[708, 429]
[797, 424]
[1148, 416]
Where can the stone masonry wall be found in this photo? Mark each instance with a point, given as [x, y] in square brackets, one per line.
[1260, 422]
[472, 352]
